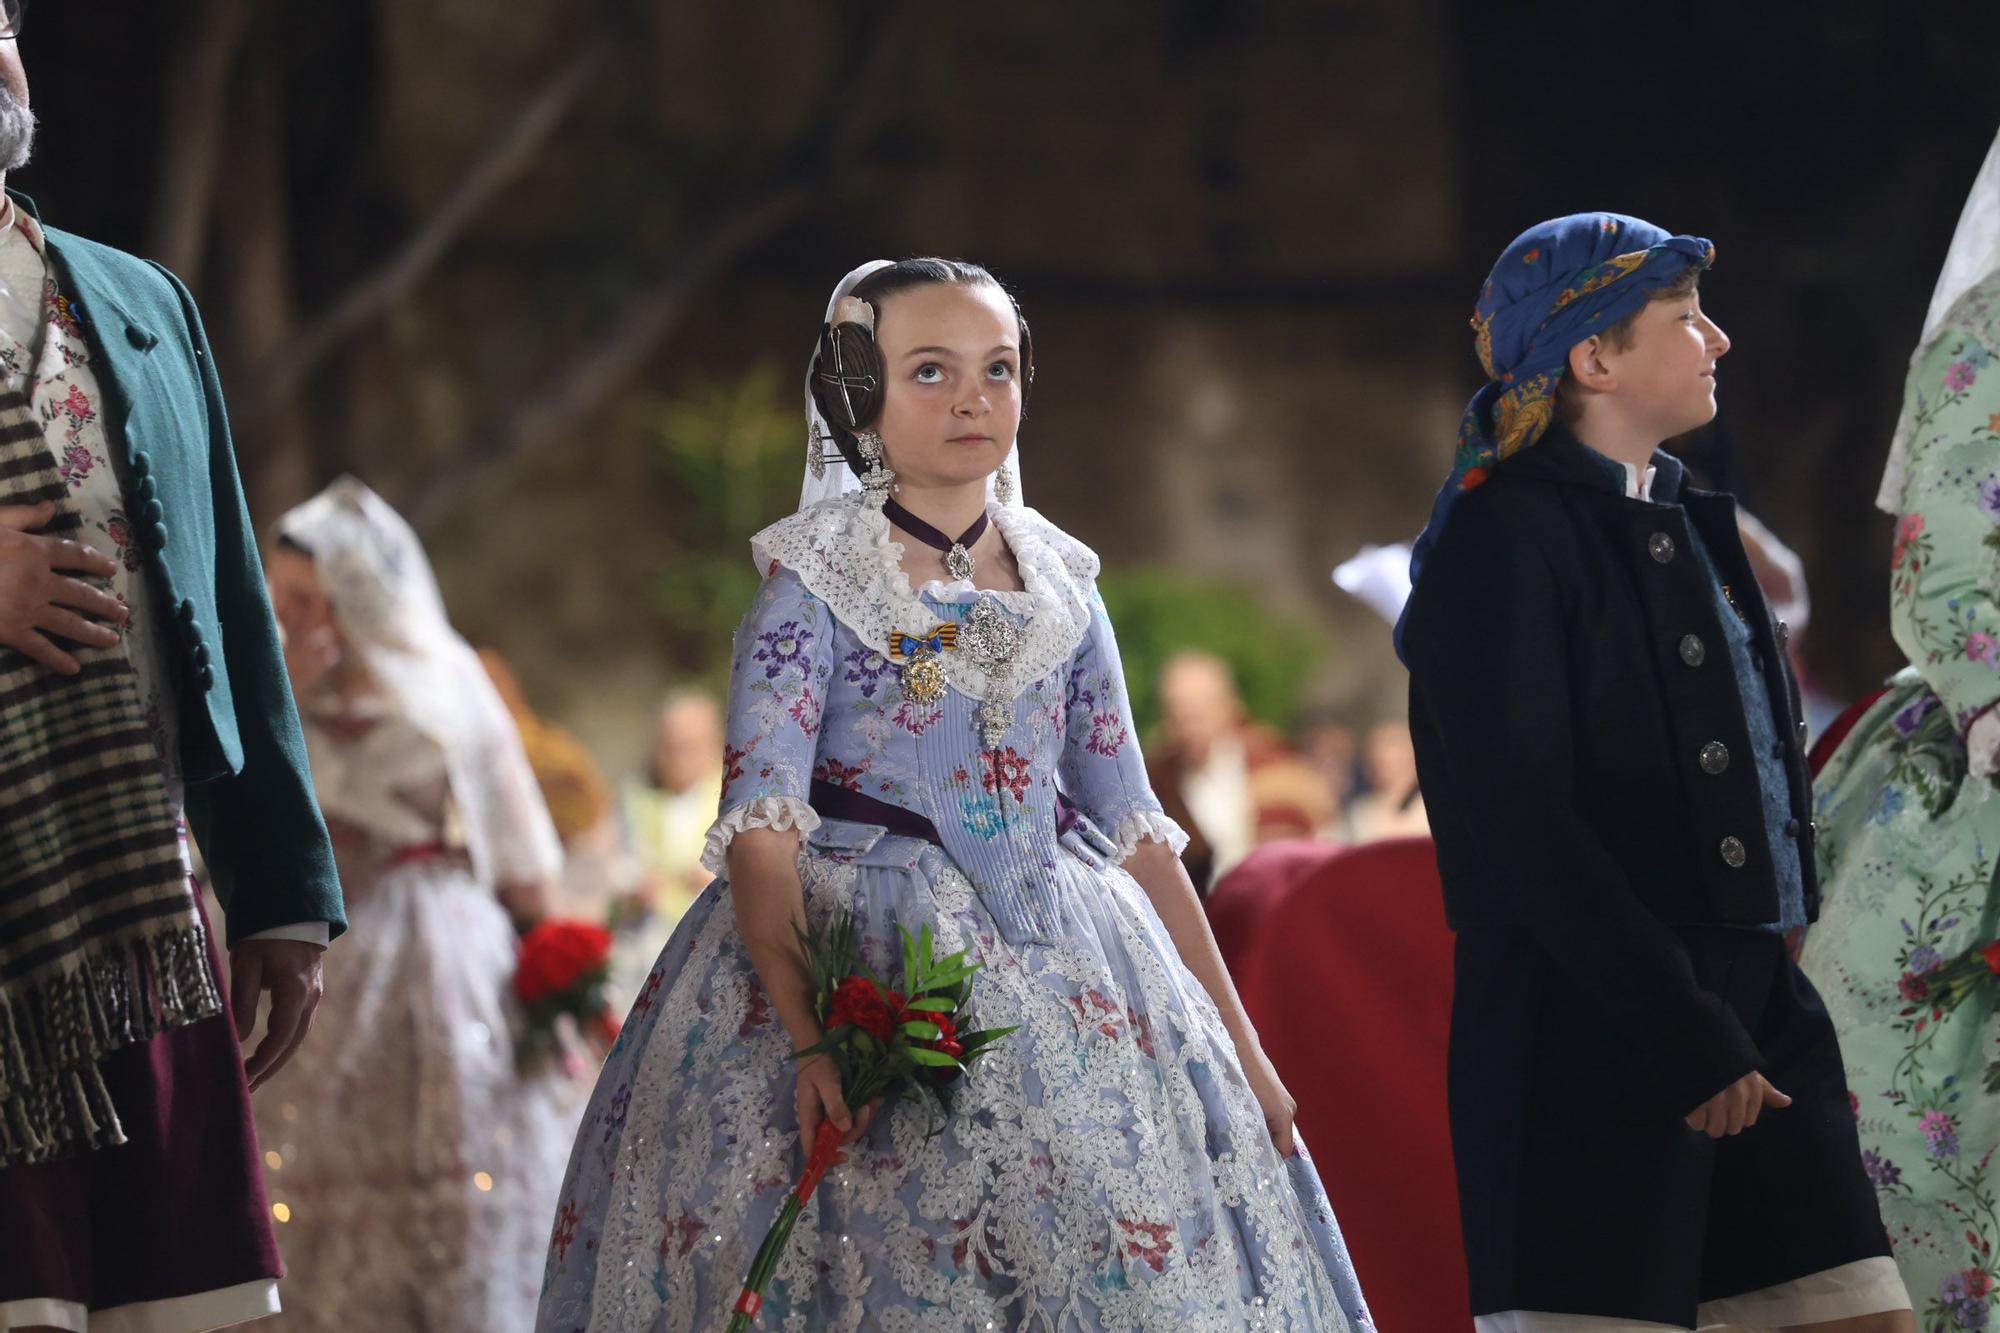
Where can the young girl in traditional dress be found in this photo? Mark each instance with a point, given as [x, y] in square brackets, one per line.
[928, 726]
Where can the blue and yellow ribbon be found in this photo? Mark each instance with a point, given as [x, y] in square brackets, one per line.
[907, 647]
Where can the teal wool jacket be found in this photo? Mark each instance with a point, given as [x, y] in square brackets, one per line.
[249, 792]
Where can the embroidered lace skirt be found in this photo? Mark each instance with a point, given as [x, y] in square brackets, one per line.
[1104, 1168]
[417, 1168]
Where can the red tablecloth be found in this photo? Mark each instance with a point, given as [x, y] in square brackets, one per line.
[1344, 963]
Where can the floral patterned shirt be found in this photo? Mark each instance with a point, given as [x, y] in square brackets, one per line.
[43, 353]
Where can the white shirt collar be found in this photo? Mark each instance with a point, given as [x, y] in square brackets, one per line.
[15, 219]
[1638, 487]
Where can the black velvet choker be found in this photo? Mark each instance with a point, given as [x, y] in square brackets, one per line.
[957, 554]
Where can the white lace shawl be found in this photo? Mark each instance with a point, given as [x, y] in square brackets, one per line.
[842, 551]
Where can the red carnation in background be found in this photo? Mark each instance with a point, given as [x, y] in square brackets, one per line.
[557, 955]
[562, 969]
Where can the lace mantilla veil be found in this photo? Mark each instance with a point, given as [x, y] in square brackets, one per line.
[386, 601]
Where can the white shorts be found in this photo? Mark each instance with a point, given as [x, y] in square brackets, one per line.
[172, 1314]
[1868, 1286]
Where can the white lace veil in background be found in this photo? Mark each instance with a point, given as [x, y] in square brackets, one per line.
[386, 601]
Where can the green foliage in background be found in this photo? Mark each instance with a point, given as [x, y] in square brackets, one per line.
[733, 452]
[1158, 613]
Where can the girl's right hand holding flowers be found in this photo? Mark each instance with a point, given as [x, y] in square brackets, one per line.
[818, 1097]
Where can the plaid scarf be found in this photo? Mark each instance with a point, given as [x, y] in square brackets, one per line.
[100, 944]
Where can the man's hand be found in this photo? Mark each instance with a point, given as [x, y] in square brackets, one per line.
[39, 598]
[1736, 1107]
[289, 969]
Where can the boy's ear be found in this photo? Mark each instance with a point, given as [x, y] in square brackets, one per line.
[1587, 367]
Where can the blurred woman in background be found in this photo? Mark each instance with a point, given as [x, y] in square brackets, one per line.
[413, 1166]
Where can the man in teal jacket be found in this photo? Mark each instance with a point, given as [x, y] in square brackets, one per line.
[132, 1180]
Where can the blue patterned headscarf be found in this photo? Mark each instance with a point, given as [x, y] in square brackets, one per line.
[1559, 283]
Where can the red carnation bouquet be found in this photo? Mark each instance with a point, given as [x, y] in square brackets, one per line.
[560, 978]
[885, 1043]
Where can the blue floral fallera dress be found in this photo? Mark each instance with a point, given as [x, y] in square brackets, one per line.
[1105, 1167]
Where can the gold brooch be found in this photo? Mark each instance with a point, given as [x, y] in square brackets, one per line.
[921, 657]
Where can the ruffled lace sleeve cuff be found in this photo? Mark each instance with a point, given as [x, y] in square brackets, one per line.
[1149, 826]
[775, 812]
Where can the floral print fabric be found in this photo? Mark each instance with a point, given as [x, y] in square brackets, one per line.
[995, 809]
[1908, 845]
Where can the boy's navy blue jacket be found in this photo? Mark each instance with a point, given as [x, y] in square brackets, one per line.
[1568, 678]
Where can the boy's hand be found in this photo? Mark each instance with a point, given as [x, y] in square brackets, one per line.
[1736, 1107]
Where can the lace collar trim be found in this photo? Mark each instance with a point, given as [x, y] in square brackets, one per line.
[843, 551]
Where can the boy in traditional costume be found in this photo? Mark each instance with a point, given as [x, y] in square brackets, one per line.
[1650, 1119]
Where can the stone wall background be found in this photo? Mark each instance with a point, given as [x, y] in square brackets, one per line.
[1247, 235]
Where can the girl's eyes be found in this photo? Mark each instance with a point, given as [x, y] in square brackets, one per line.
[933, 373]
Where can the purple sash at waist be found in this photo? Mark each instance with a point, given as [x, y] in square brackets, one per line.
[860, 808]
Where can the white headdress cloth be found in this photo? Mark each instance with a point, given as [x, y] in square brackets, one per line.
[837, 478]
[386, 601]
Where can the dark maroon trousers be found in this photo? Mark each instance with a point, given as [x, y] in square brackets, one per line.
[177, 1209]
